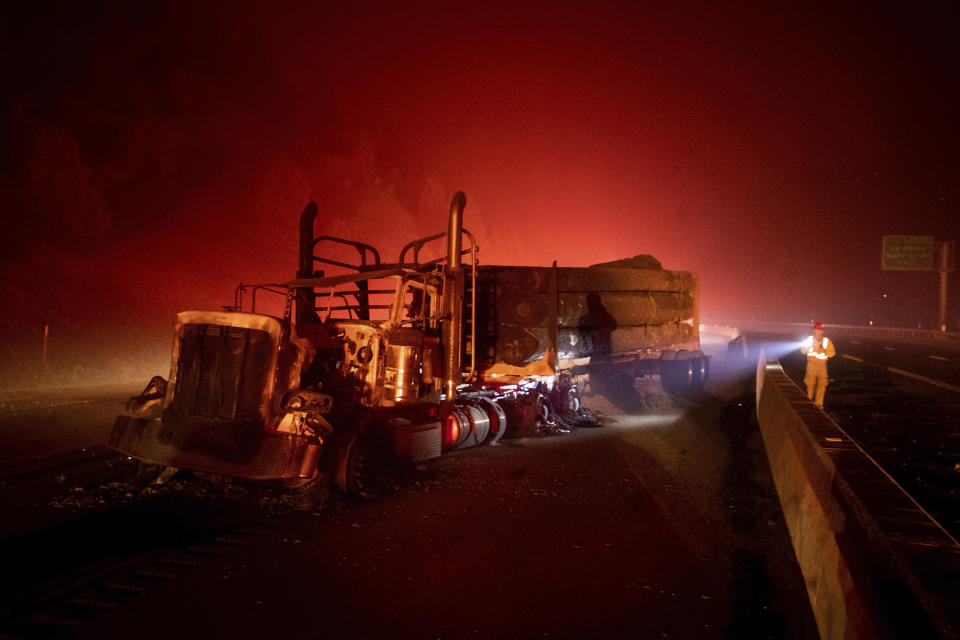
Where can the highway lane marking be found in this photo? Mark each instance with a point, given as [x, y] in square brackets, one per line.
[939, 358]
[890, 477]
[889, 348]
[901, 372]
[854, 342]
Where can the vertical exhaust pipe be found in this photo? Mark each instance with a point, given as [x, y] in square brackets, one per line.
[453, 299]
[306, 299]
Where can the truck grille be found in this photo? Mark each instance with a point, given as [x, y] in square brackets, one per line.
[221, 372]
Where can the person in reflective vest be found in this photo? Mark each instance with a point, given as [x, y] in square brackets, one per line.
[818, 350]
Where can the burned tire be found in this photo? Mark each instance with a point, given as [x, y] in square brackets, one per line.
[361, 472]
[668, 376]
[686, 376]
[666, 380]
[680, 376]
[674, 376]
[701, 372]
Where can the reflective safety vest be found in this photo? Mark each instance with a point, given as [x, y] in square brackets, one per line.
[818, 350]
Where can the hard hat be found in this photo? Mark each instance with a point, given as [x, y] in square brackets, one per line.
[818, 325]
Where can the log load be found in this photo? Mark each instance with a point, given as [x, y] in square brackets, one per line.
[602, 311]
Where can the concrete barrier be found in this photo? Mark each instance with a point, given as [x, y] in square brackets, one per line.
[874, 563]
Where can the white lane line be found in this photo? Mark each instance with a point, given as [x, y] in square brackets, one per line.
[895, 483]
[915, 376]
[889, 348]
[854, 342]
[939, 358]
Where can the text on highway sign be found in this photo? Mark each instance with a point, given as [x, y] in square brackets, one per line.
[908, 253]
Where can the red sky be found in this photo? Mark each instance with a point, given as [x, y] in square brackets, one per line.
[155, 157]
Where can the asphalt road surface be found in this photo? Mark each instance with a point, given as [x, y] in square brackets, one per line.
[662, 522]
[41, 422]
[933, 360]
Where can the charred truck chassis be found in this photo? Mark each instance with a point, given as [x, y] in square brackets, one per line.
[460, 356]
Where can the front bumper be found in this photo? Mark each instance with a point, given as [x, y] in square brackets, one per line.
[238, 450]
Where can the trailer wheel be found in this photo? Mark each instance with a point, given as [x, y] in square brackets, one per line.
[687, 378]
[679, 377]
[668, 375]
[701, 371]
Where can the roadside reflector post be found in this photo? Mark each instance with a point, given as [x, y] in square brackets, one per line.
[945, 266]
[43, 356]
[942, 317]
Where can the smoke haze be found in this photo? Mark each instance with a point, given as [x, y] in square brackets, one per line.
[156, 156]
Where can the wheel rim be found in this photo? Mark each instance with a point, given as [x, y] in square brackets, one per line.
[359, 473]
[362, 476]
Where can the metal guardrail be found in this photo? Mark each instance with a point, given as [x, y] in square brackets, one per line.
[928, 335]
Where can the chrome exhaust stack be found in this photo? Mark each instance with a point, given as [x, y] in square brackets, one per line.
[306, 299]
[453, 299]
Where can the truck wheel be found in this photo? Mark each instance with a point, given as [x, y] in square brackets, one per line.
[678, 377]
[668, 377]
[701, 371]
[360, 469]
[686, 376]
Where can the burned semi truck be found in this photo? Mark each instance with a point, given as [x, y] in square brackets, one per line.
[404, 361]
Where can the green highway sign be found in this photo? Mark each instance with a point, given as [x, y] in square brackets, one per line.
[908, 253]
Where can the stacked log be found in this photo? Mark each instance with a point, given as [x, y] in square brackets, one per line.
[602, 311]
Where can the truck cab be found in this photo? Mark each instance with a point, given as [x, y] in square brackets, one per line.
[353, 358]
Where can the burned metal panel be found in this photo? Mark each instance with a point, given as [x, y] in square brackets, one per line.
[219, 448]
[221, 372]
[230, 366]
[513, 315]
